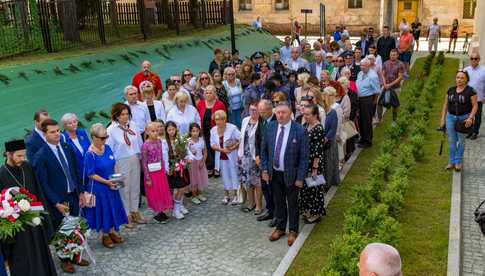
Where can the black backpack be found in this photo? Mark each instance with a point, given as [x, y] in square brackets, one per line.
[480, 217]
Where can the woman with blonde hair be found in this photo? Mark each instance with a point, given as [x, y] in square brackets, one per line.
[183, 114]
[203, 80]
[155, 107]
[331, 159]
[235, 92]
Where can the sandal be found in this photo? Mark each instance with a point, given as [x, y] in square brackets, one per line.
[449, 167]
[247, 209]
[458, 168]
[258, 212]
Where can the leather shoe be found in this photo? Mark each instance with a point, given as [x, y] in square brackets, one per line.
[474, 136]
[266, 216]
[115, 238]
[67, 267]
[272, 223]
[292, 237]
[83, 263]
[107, 242]
[276, 235]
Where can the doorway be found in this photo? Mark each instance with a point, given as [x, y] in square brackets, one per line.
[407, 9]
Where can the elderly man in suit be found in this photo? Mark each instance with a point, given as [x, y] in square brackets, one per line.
[318, 65]
[284, 164]
[56, 169]
[36, 139]
[296, 62]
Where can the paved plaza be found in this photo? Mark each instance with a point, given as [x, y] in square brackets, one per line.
[473, 192]
[212, 240]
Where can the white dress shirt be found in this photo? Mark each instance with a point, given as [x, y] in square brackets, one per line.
[54, 150]
[40, 133]
[116, 141]
[184, 119]
[168, 104]
[477, 80]
[78, 145]
[287, 126]
[318, 70]
[140, 115]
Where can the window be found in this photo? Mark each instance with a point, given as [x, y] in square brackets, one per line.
[408, 5]
[469, 8]
[245, 5]
[282, 4]
[355, 4]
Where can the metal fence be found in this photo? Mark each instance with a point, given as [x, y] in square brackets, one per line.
[53, 25]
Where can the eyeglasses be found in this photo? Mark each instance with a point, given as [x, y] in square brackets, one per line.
[474, 58]
[188, 75]
[102, 137]
[204, 78]
[131, 94]
[176, 81]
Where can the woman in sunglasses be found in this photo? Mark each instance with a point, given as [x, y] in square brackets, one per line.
[108, 214]
[188, 82]
[203, 81]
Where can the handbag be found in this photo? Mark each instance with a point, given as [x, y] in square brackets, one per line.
[314, 181]
[480, 217]
[460, 126]
[90, 198]
[349, 130]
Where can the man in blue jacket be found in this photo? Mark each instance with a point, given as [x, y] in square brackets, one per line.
[36, 139]
[284, 165]
[56, 169]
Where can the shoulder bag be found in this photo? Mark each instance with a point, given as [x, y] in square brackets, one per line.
[90, 197]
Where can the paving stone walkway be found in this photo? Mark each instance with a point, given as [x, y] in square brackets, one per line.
[473, 192]
[212, 240]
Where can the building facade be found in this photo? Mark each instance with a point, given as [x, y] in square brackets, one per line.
[356, 14]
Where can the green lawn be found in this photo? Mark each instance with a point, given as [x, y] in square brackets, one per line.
[425, 214]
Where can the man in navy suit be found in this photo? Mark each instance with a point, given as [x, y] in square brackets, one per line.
[318, 65]
[284, 164]
[56, 169]
[36, 139]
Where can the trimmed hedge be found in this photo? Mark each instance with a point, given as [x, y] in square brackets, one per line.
[375, 207]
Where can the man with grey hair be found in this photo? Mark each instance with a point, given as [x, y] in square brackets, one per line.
[379, 259]
[146, 74]
[318, 65]
[368, 85]
[296, 62]
[476, 72]
[434, 35]
[139, 111]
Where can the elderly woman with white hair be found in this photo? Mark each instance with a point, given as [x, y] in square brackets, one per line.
[77, 138]
[183, 114]
[234, 93]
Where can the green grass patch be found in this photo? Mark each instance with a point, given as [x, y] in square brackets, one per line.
[316, 252]
[425, 216]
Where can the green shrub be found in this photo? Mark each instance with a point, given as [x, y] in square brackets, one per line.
[406, 158]
[388, 230]
[394, 199]
[381, 166]
[375, 187]
[345, 254]
[417, 142]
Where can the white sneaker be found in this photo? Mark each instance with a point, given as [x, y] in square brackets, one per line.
[235, 201]
[225, 200]
[177, 214]
[183, 209]
[195, 200]
[202, 198]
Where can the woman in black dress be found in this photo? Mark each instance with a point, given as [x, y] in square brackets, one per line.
[416, 31]
[453, 35]
[312, 199]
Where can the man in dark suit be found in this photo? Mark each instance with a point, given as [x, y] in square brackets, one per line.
[318, 65]
[284, 163]
[266, 114]
[36, 139]
[56, 169]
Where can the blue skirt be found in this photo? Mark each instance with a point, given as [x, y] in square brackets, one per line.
[109, 211]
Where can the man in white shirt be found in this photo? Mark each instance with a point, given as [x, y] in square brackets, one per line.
[434, 35]
[139, 111]
[285, 51]
[476, 72]
[317, 66]
[36, 138]
[296, 62]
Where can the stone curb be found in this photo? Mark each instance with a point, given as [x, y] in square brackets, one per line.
[454, 242]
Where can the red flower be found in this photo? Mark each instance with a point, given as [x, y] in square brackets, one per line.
[11, 218]
[11, 202]
[24, 191]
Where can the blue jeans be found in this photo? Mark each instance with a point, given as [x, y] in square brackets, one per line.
[456, 140]
[235, 117]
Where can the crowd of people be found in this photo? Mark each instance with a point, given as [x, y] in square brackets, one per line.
[278, 127]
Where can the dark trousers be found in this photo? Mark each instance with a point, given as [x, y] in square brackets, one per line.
[286, 203]
[478, 118]
[210, 161]
[268, 197]
[366, 112]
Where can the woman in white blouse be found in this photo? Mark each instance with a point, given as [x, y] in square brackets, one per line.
[225, 142]
[168, 97]
[183, 114]
[155, 107]
[234, 95]
[126, 142]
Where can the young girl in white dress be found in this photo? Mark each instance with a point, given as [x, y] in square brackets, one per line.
[198, 172]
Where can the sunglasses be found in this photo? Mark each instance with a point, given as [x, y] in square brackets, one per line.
[204, 78]
[474, 58]
[102, 137]
[176, 81]
[188, 75]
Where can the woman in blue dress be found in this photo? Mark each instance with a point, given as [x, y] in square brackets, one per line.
[76, 137]
[108, 214]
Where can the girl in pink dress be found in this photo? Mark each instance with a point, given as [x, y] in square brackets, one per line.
[197, 171]
[158, 195]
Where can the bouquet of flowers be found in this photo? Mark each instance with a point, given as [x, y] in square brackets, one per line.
[18, 208]
[70, 241]
[178, 164]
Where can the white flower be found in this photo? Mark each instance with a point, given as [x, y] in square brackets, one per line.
[7, 212]
[24, 205]
[36, 221]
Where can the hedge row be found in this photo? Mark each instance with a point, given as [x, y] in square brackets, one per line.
[372, 216]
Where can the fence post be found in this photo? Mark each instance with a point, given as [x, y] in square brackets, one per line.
[44, 25]
[177, 16]
[141, 12]
[99, 11]
[224, 9]
[204, 13]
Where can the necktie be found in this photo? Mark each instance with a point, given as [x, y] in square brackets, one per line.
[279, 145]
[65, 168]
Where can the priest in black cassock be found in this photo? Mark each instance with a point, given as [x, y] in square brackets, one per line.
[28, 252]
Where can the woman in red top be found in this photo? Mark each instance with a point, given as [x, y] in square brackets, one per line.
[206, 109]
